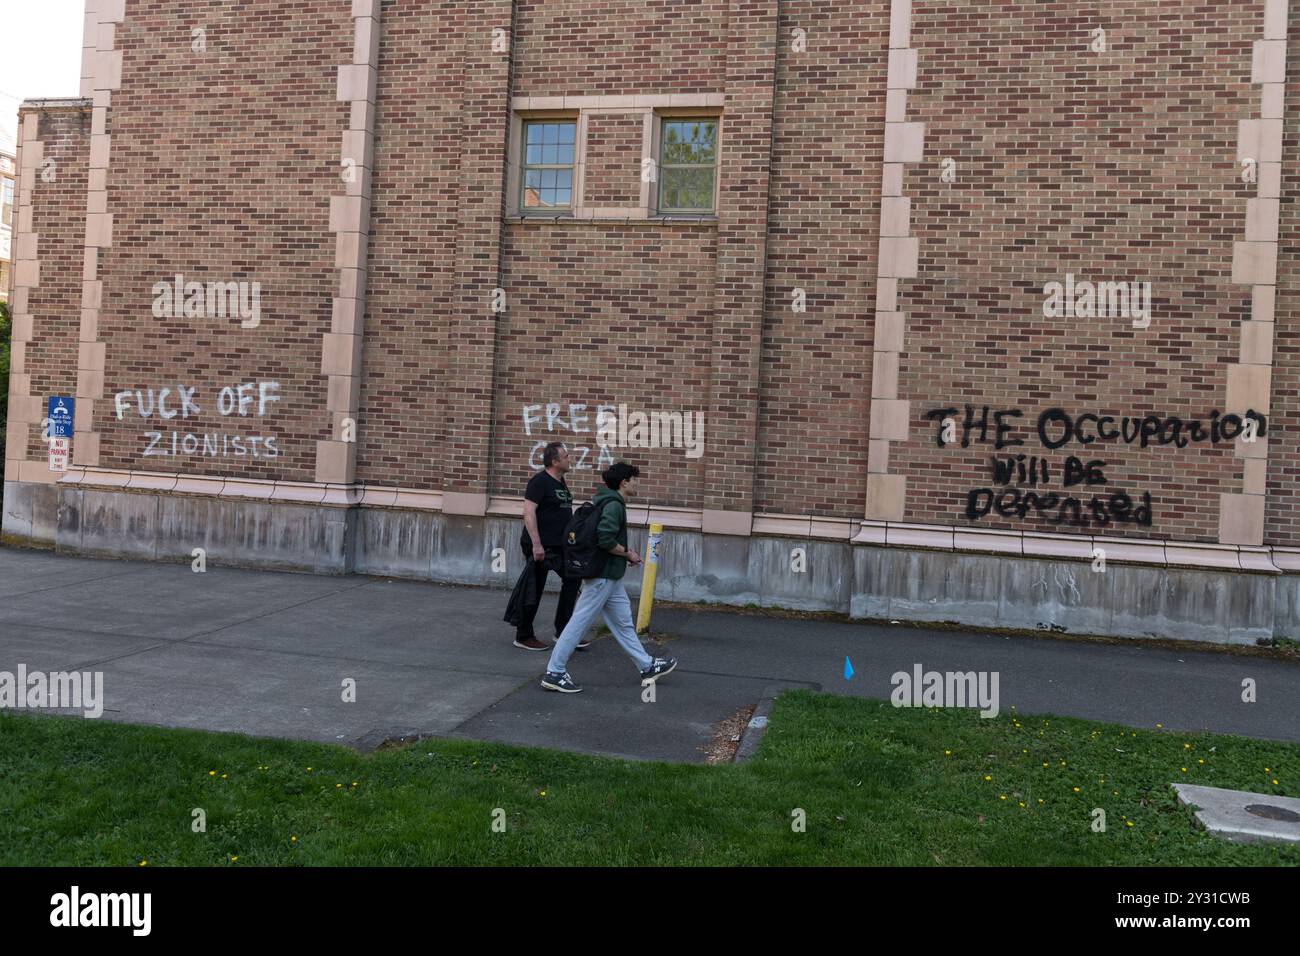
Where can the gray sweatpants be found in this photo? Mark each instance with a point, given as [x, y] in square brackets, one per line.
[609, 598]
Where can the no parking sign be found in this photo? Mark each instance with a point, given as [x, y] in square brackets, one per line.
[59, 418]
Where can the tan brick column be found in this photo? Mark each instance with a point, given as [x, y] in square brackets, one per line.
[899, 250]
[1254, 263]
[336, 458]
[24, 408]
[101, 74]
[745, 144]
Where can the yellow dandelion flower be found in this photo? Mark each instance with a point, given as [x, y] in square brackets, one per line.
[144, 862]
[1266, 770]
[1040, 799]
[1128, 823]
[212, 773]
[1202, 760]
[234, 859]
[1076, 789]
[338, 786]
[987, 777]
[224, 776]
[1187, 746]
[1161, 726]
[947, 753]
[293, 839]
[1002, 796]
[1184, 770]
[542, 794]
[1044, 763]
[354, 783]
[309, 769]
[1275, 783]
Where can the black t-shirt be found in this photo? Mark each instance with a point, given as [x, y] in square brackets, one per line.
[554, 509]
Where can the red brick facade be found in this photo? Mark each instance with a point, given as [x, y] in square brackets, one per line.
[57, 222]
[1024, 151]
[1112, 166]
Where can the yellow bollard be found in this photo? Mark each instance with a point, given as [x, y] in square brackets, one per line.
[648, 575]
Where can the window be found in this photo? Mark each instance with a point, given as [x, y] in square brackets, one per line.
[547, 181]
[6, 201]
[688, 160]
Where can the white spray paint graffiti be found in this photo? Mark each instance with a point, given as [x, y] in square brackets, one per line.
[248, 399]
[555, 426]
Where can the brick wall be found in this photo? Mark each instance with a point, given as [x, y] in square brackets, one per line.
[603, 313]
[58, 220]
[413, 232]
[1115, 166]
[618, 47]
[1112, 166]
[613, 177]
[822, 230]
[222, 165]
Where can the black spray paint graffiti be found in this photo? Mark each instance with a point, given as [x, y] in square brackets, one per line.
[1017, 478]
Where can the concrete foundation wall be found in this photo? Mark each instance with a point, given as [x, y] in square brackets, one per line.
[866, 582]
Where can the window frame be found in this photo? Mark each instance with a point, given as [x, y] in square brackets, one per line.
[662, 117]
[524, 166]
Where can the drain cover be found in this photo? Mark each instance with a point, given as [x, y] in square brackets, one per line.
[1242, 816]
[1273, 813]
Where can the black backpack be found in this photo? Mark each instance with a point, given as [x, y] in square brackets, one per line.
[583, 557]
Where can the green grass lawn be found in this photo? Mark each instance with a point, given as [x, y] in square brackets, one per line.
[878, 785]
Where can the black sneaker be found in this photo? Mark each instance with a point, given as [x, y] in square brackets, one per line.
[658, 669]
[561, 682]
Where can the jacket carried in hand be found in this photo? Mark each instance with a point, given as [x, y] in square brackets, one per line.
[525, 595]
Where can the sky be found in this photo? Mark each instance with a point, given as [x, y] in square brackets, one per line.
[40, 55]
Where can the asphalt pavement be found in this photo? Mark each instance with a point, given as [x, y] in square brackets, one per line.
[274, 654]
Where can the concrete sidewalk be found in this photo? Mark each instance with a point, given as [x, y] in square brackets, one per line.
[266, 653]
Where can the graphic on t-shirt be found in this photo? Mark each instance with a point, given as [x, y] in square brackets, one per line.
[554, 509]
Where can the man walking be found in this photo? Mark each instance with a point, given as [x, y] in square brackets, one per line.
[548, 506]
[605, 594]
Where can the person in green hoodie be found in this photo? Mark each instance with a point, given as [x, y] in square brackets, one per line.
[605, 594]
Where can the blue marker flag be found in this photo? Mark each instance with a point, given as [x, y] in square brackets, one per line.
[848, 668]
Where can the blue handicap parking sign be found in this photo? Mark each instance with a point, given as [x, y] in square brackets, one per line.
[61, 409]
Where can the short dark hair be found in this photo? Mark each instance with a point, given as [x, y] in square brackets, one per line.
[618, 473]
[551, 453]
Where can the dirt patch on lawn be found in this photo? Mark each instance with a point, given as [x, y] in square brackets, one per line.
[726, 736]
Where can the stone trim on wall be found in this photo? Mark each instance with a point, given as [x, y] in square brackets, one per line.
[101, 73]
[904, 143]
[24, 409]
[336, 457]
[1254, 263]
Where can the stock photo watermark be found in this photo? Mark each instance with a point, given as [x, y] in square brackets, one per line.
[53, 690]
[951, 689]
[179, 299]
